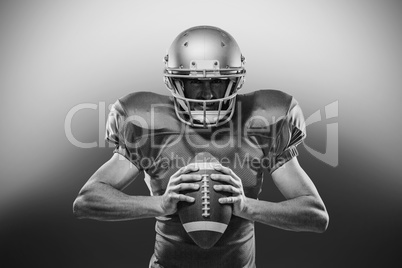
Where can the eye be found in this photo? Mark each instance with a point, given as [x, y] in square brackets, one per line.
[195, 81]
[216, 81]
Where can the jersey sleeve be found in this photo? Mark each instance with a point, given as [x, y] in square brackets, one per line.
[291, 134]
[117, 129]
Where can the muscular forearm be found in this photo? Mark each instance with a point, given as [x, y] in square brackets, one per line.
[304, 213]
[100, 201]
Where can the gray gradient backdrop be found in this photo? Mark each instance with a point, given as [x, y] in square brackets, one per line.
[55, 55]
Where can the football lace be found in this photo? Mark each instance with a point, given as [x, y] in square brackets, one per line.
[205, 196]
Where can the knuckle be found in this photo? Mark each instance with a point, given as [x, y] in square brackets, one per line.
[184, 169]
[180, 171]
[173, 190]
[173, 180]
[190, 167]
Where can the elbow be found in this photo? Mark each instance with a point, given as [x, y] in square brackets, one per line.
[317, 218]
[87, 203]
[82, 205]
[321, 221]
[78, 207]
[320, 216]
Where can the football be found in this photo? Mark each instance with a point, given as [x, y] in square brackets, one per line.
[205, 220]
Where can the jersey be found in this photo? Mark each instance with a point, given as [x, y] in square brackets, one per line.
[262, 135]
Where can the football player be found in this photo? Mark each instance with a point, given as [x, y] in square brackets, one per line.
[250, 134]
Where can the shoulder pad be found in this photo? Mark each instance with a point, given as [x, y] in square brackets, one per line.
[149, 109]
[268, 104]
[143, 102]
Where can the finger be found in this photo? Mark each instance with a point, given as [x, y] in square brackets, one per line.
[186, 169]
[184, 187]
[227, 188]
[190, 177]
[221, 177]
[225, 170]
[185, 178]
[226, 178]
[222, 169]
[229, 200]
[190, 168]
[182, 197]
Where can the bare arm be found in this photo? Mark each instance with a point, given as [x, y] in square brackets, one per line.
[303, 210]
[101, 198]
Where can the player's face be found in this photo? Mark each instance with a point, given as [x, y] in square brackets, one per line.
[205, 90]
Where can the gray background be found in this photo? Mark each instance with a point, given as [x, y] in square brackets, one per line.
[55, 55]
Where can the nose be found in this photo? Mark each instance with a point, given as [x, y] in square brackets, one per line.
[206, 93]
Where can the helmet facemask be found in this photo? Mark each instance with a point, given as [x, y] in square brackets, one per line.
[185, 60]
[206, 116]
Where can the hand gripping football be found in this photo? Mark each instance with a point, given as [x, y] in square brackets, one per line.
[205, 220]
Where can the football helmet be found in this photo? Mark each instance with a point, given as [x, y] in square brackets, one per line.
[204, 53]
